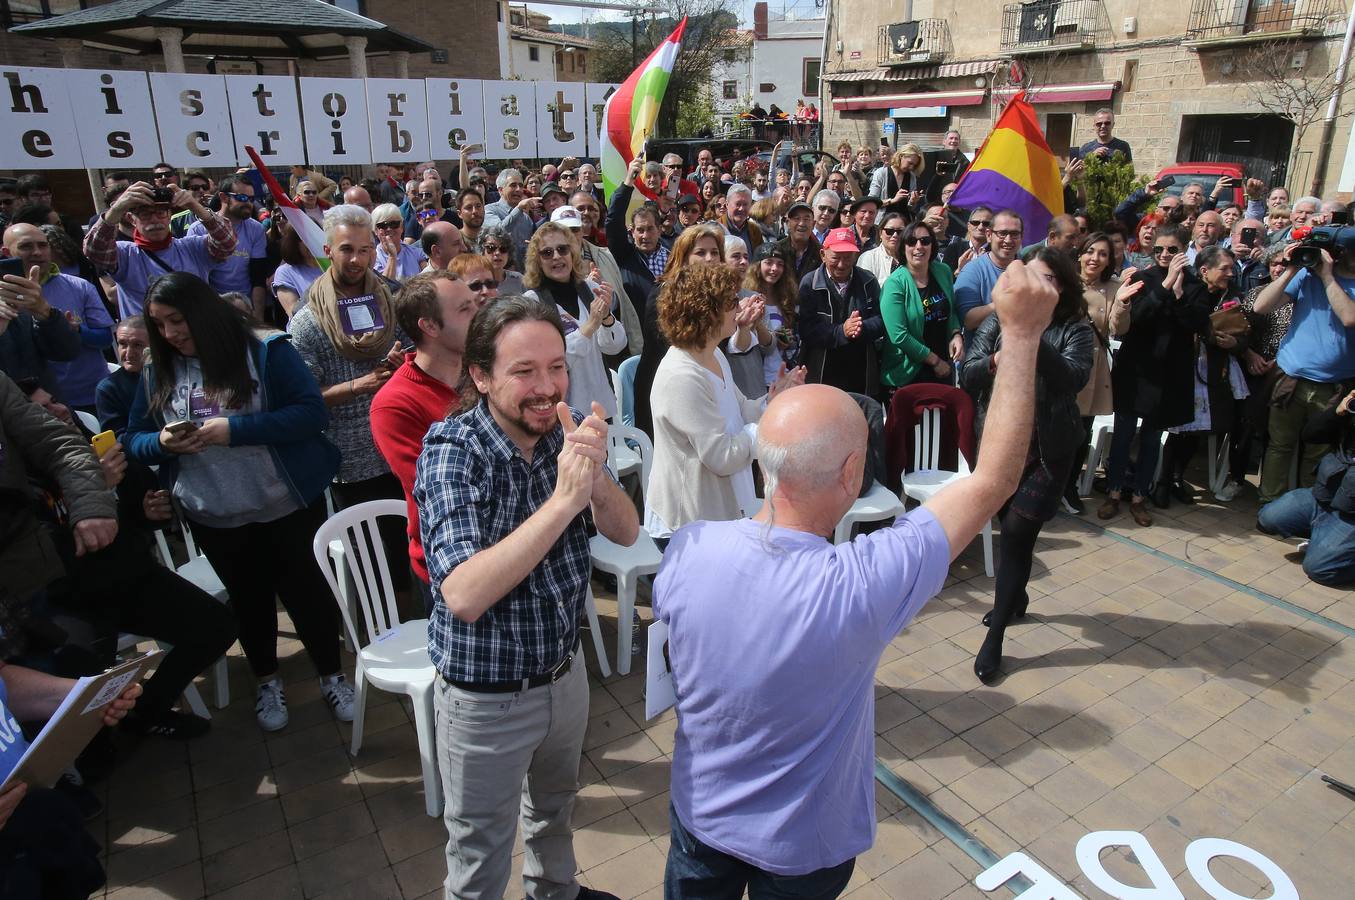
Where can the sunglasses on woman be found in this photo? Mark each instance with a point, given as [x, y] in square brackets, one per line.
[387, 226]
[1169, 251]
[494, 248]
[552, 252]
[914, 239]
[892, 232]
[486, 284]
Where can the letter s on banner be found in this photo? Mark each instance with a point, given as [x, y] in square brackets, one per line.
[194, 118]
[37, 128]
[334, 111]
[116, 116]
[510, 119]
[1089, 849]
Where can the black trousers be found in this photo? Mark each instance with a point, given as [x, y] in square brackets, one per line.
[121, 589]
[1016, 554]
[262, 562]
[45, 851]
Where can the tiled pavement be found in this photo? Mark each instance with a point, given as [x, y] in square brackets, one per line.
[1148, 697]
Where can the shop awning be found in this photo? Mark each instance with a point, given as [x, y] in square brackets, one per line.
[928, 98]
[1063, 93]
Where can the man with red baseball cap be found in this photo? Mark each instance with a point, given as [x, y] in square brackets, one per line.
[840, 319]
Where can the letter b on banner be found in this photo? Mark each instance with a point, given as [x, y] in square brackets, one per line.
[397, 118]
[37, 130]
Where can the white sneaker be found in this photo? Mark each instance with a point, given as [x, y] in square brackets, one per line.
[1302, 547]
[1229, 490]
[339, 693]
[271, 706]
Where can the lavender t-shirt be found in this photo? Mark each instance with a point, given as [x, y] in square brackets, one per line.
[774, 637]
[296, 278]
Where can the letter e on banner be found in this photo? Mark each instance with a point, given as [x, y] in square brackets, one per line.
[265, 115]
[510, 119]
[194, 118]
[117, 119]
[455, 115]
[561, 119]
[397, 120]
[334, 113]
[37, 128]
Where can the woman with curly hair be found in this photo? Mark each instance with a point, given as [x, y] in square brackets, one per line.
[703, 442]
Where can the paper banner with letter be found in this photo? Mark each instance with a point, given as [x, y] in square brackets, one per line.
[397, 116]
[561, 119]
[194, 119]
[37, 129]
[456, 115]
[510, 120]
[598, 95]
[116, 116]
[264, 113]
[334, 111]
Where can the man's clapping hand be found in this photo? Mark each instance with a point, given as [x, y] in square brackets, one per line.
[852, 327]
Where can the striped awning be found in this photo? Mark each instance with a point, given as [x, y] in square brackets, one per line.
[1063, 93]
[922, 98]
[918, 73]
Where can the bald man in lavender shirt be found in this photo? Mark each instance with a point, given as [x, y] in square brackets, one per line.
[775, 634]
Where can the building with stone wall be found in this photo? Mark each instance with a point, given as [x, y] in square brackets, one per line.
[1179, 74]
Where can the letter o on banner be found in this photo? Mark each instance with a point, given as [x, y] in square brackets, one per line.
[1089, 849]
[1200, 852]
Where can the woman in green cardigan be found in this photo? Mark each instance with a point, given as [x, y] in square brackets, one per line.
[918, 305]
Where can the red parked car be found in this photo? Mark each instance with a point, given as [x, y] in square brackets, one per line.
[1207, 174]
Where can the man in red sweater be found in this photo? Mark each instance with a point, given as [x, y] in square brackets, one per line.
[435, 308]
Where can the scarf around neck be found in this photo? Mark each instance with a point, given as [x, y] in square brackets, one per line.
[147, 244]
[323, 303]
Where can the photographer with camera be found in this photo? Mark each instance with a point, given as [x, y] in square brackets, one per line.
[1317, 354]
[154, 251]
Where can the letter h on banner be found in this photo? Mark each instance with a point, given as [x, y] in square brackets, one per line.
[37, 129]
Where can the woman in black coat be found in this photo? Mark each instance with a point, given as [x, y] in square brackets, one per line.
[1154, 372]
[1062, 366]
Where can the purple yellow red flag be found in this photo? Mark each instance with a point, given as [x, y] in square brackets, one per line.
[311, 234]
[1016, 170]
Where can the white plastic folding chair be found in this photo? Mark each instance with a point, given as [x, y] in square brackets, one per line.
[926, 479]
[1102, 429]
[336, 556]
[198, 571]
[1218, 461]
[396, 658]
[878, 504]
[626, 563]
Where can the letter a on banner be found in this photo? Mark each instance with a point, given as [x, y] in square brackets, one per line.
[265, 115]
[397, 119]
[195, 119]
[510, 119]
[456, 115]
[334, 111]
[37, 129]
[116, 116]
[561, 119]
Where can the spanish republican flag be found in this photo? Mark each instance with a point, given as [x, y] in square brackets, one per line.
[1015, 170]
[628, 118]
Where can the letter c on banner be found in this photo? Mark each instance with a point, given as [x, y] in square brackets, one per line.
[194, 142]
[1089, 860]
[1045, 886]
[1200, 852]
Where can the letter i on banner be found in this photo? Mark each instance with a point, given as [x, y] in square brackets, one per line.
[265, 115]
[597, 95]
[37, 128]
[334, 113]
[561, 119]
[456, 115]
[116, 116]
[397, 119]
[194, 118]
[510, 119]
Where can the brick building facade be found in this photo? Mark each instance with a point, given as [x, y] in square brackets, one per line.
[1179, 74]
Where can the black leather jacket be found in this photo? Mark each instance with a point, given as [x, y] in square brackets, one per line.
[1062, 367]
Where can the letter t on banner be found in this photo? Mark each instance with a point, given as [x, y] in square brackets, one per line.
[397, 118]
[266, 116]
[37, 130]
[561, 119]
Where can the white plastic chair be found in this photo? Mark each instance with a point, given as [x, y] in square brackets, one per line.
[878, 504]
[624, 379]
[113, 367]
[1103, 429]
[1218, 461]
[198, 571]
[336, 556]
[626, 563]
[396, 659]
[89, 420]
[926, 480]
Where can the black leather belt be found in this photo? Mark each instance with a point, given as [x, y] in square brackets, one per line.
[519, 684]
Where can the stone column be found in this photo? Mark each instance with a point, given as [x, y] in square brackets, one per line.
[171, 45]
[357, 55]
[401, 58]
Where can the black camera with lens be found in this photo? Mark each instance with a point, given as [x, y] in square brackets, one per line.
[1337, 240]
[162, 196]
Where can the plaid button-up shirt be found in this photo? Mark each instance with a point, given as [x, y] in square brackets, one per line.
[474, 488]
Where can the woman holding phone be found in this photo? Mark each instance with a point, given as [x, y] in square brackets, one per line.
[236, 422]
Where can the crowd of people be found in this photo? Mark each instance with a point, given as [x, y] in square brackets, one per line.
[460, 347]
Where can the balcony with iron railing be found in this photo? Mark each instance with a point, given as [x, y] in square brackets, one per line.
[1242, 21]
[913, 43]
[1045, 26]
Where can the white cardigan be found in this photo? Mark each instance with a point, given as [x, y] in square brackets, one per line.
[694, 457]
[583, 355]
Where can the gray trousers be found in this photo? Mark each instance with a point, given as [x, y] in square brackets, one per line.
[505, 757]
